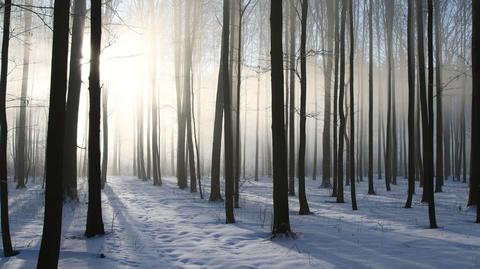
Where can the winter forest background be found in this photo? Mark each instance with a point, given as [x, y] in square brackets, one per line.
[240, 133]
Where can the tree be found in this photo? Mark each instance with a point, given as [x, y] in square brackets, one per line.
[304, 210]
[335, 104]
[427, 108]
[94, 213]
[215, 194]
[20, 163]
[291, 136]
[389, 156]
[411, 105]
[281, 220]
[341, 131]
[352, 110]
[475, 143]
[181, 166]
[327, 161]
[227, 109]
[439, 106]
[73, 101]
[52, 224]
[6, 240]
[187, 95]
[371, 189]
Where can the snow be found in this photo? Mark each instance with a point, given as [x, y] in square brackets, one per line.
[164, 227]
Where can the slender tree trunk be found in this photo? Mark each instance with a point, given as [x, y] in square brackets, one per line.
[228, 139]
[475, 143]
[352, 111]
[21, 150]
[52, 224]
[281, 220]
[291, 136]
[7, 242]
[439, 105]
[371, 189]
[73, 101]
[341, 135]
[335, 104]
[304, 209]
[411, 104]
[94, 214]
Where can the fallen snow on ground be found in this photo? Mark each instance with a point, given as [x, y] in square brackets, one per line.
[164, 227]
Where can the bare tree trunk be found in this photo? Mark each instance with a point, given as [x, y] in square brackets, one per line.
[7, 242]
[439, 105]
[21, 150]
[335, 104]
[475, 143]
[304, 209]
[281, 221]
[52, 224]
[371, 189]
[94, 214]
[341, 135]
[352, 111]
[291, 136]
[411, 104]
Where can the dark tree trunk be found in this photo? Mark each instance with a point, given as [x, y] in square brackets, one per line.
[281, 220]
[227, 109]
[389, 12]
[181, 166]
[341, 132]
[7, 242]
[411, 104]
[475, 143]
[52, 224]
[439, 105]
[73, 101]
[94, 215]
[352, 111]
[291, 136]
[327, 161]
[302, 197]
[335, 105]
[427, 110]
[371, 189]
[187, 106]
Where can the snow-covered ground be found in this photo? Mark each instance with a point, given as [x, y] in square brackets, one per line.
[164, 227]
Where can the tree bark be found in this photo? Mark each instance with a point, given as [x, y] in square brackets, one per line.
[302, 197]
[281, 220]
[52, 224]
[6, 239]
[94, 214]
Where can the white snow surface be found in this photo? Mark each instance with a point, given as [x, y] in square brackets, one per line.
[165, 227]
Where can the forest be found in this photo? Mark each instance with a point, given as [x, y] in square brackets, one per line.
[240, 134]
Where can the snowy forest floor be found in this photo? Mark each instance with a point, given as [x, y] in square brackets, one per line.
[151, 227]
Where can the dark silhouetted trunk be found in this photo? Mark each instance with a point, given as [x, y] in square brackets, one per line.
[371, 189]
[411, 104]
[352, 111]
[341, 132]
[291, 136]
[7, 242]
[439, 105]
[475, 143]
[52, 224]
[94, 215]
[73, 101]
[281, 220]
[302, 197]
